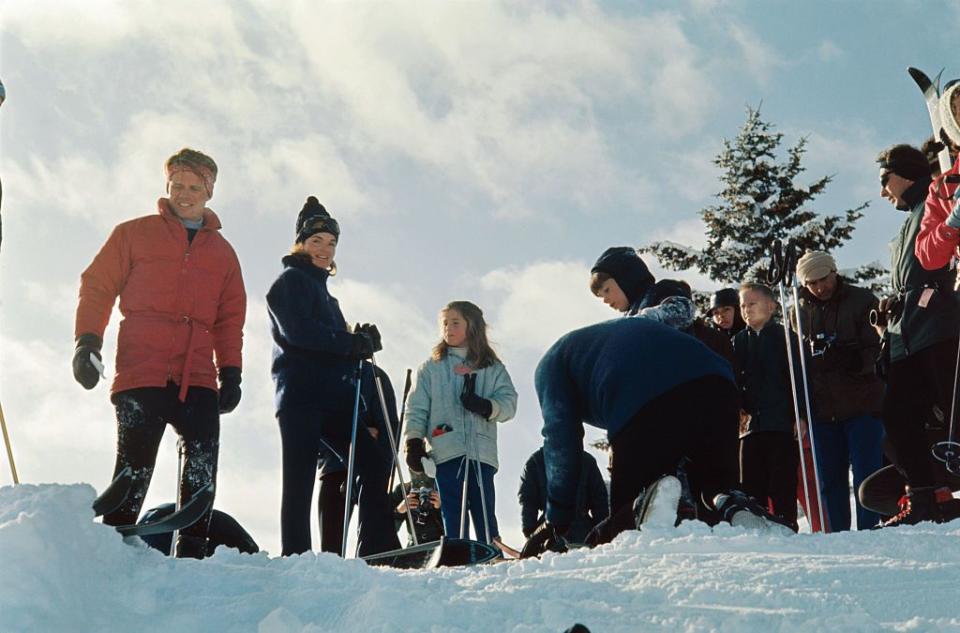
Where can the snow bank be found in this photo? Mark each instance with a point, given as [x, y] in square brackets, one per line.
[61, 571]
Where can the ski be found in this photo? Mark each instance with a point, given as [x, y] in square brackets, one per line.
[447, 552]
[931, 94]
[183, 518]
[115, 494]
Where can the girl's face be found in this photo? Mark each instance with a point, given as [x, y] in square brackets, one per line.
[321, 247]
[454, 328]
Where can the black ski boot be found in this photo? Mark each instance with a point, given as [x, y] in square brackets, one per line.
[925, 504]
[741, 510]
[657, 505]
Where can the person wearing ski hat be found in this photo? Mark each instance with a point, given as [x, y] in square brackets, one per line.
[621, 279]
[179, 346]
[724, 312]
[315, 360]
[939, 236]
[919, 329]
[627, 376]
[844, 390]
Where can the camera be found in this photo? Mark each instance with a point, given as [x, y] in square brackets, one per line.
[820, 343]
[424, 505]
[878, 318]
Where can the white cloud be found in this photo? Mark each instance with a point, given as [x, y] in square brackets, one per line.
[828, 51]
[760, 58]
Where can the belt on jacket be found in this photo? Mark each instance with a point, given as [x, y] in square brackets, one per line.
[188, 360]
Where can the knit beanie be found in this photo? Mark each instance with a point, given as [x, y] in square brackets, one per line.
[313, 219]
[947, 119]
[627, 269]
[815, 265]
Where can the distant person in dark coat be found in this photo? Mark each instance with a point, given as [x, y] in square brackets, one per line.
[592, 502]
[769, 454]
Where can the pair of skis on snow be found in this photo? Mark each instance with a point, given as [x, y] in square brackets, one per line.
[119, 489]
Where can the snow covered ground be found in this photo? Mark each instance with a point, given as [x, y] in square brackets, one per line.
[61, 571]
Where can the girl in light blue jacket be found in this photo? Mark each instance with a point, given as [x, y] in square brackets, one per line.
[459, 397]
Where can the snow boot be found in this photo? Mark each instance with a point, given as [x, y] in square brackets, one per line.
[740, 510]
[657, 505]
[191, 546]
[924, 504]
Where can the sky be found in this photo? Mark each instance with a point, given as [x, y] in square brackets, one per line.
[484, 151]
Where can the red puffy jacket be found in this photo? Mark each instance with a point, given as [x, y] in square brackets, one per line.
[181, 302]
[936, 242]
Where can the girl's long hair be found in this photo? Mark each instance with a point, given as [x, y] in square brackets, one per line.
[479, 352]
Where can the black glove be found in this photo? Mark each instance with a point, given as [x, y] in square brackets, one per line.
[544, 538]
[229, 388]
[415, 452]
[83, 370]
[471, 401]
[362, 347]
[371, 330]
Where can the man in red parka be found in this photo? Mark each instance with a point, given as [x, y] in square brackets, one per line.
[183, 305]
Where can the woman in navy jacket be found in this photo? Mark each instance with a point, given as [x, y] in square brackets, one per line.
[315, 358]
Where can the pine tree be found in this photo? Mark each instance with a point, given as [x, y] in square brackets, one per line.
[761, 202]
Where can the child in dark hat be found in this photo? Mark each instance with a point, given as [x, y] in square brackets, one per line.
[621, 279]
[724, 312]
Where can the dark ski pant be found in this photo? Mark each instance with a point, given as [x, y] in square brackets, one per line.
[697, 420]
[853, 444]
[330, 501]
[768, 470]
[302, 435]
[450, 485]
[142, 416]
[914, 385]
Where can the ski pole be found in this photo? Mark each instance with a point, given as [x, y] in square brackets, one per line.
[483, 499]
[393, 445]
[351, 455]
[791, 274]
[6, 441]
[776, 276]
[463, 503]
[179, 504]
[403, 409]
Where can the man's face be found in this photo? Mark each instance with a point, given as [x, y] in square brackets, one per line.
[188, 195]
[756, 308]
[824, 287]
[892, 186]
[723, 317]
[611, 294]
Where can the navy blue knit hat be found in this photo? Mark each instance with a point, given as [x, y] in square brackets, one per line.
[313, 219]
[627, 269]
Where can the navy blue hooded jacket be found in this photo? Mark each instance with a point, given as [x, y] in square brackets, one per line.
[603, 374]
[311, 365]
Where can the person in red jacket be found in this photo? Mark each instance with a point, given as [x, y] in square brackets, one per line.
[939, 234]
[183, 304]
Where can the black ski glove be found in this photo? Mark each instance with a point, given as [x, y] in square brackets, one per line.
[416, 450]
[371, 330]
[475, 404]
[362, 347]
[545, 538]
[229, 388]
[83, 370]
[471, 401]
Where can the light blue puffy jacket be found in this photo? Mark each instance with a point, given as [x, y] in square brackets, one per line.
[434, 400]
